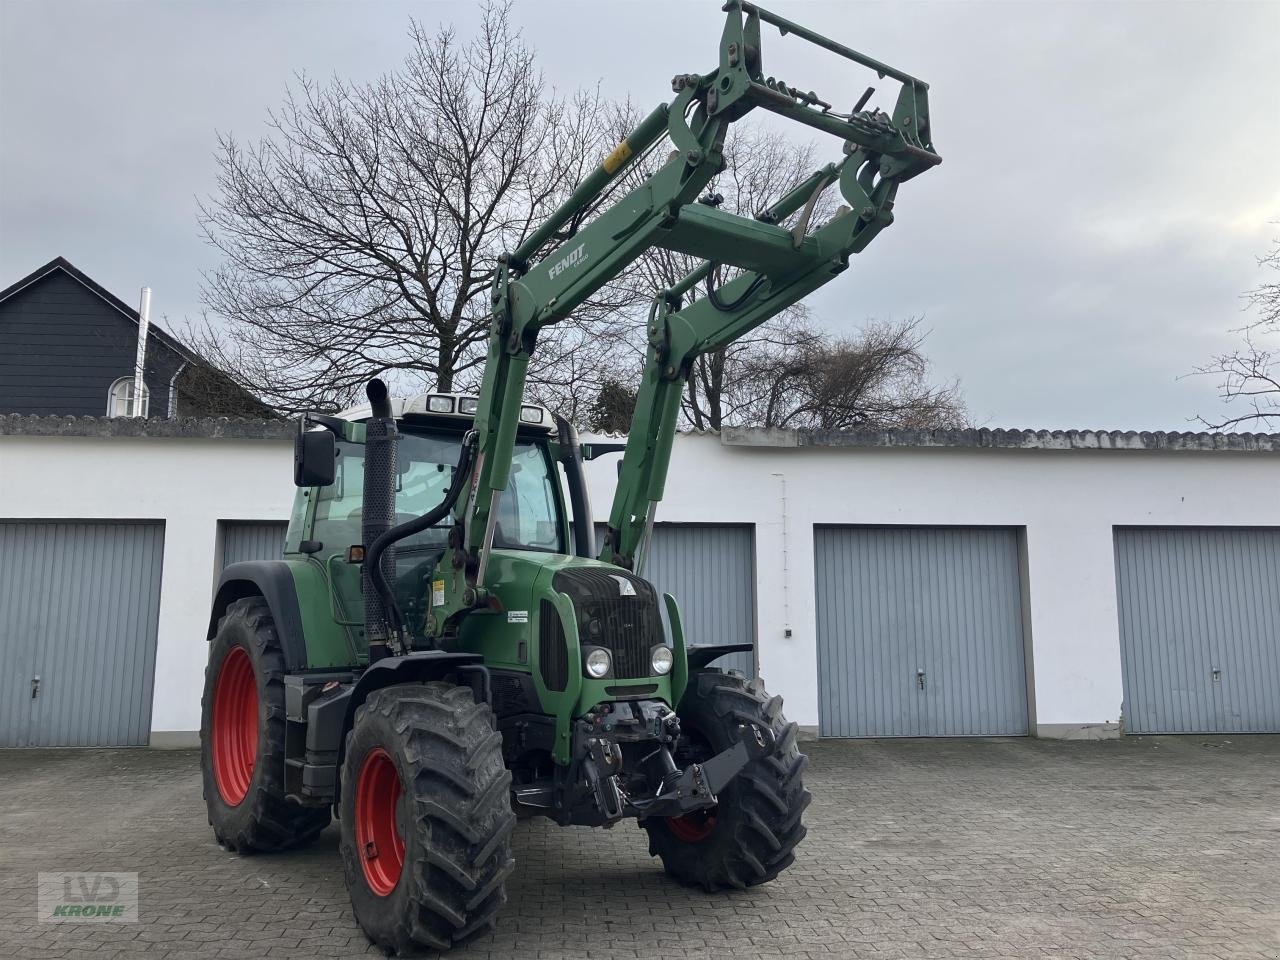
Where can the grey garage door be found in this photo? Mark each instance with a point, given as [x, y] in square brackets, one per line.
[710, 570]
[252, 541]
[919, 632]
[79, 606]
[1199, 629]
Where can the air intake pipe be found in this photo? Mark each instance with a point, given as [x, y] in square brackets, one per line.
[377, 517]
[584, 531]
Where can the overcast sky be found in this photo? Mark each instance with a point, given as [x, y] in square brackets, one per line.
[1111, 170]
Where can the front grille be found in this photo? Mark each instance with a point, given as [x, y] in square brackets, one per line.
[639, 690]
[616, 610]
[506, 693]
[553, 653]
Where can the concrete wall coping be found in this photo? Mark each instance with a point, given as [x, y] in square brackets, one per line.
[997, 439]
[182, 428]
[1007, 439]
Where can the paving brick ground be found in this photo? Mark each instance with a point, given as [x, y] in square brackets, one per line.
[1151, 847]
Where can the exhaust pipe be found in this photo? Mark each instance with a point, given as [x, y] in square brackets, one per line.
[378, 516]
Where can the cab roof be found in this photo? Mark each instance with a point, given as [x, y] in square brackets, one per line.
[450, 408]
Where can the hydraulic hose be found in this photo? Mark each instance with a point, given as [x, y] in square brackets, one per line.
[713, 291]
[374, 552]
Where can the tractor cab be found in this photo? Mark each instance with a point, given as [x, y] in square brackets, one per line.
[328, 519]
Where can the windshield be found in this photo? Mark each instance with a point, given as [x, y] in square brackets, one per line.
[527, 517]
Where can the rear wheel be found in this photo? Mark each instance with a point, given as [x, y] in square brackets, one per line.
[242, 730]
[426, 817]
[751, 835]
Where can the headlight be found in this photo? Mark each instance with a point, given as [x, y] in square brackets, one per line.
[598, 662]
[661, 660]
[439, 404]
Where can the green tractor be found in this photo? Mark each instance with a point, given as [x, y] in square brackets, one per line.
[444, 649]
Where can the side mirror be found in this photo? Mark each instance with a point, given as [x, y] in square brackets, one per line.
[314, 460]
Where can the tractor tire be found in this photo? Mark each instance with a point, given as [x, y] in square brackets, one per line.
[750, 836]
[426, 817]
[242, 730]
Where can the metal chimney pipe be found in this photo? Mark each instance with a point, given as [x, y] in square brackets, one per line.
[137, 408]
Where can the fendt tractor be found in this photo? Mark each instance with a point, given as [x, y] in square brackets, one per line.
[443, 649]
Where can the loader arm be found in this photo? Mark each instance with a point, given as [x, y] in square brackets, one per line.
[676, 337]
[534, 288]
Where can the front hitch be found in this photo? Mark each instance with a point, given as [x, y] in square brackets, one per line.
[695, 787]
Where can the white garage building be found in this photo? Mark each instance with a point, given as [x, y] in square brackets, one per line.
[896, 584]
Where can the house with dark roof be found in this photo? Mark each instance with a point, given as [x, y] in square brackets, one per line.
[68, 348]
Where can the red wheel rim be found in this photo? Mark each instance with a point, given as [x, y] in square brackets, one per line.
[693, 827]
[235, 726]
[377, 834]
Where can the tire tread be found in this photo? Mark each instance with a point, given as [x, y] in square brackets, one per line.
[273, 822]
[769, 793]
[452, 756]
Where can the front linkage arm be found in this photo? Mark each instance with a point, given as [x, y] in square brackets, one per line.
[532, 290]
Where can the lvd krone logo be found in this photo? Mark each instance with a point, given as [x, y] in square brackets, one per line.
[90, 895]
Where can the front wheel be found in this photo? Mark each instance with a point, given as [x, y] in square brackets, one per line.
[426, 817]
[750, 836]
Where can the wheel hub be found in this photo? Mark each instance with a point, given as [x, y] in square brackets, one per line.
[378, 837]
[693, 827]
[235, 726]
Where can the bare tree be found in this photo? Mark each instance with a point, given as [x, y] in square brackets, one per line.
[361, 235]
[201, 390]
[612, 409]
[877, 379]
[1249, 376]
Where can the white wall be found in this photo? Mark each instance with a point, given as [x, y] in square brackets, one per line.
[190, 485]
[1067, 501]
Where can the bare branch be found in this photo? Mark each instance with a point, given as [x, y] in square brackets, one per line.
[1249, 377]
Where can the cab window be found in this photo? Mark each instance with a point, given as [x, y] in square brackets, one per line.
[527, 517]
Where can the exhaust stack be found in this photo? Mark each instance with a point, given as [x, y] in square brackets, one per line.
[379, 513]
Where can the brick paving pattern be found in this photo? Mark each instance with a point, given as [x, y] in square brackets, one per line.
[1144, 847]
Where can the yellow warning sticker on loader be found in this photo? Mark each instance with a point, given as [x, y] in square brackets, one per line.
[620, 155]
[437, 593]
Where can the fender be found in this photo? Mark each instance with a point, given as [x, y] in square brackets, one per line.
[704, 654]
[412, 668]
[271, 580]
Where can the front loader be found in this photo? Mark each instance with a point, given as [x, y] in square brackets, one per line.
[444, 649]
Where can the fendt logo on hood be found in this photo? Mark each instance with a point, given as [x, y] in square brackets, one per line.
[625, 587]
[574, 257]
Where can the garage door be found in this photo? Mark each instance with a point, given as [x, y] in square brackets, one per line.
[710, 570]
[252, 541]
[919, 632]
[1199, 629]
[79, 604]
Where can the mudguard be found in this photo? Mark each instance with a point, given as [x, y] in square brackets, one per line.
[413, 668]
[271, 580]
[700, 656]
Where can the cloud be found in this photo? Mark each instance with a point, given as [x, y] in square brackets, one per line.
[1108, 172]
